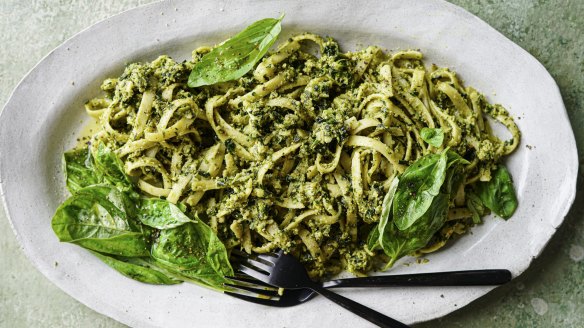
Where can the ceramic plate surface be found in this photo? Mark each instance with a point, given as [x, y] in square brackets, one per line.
[45, 114]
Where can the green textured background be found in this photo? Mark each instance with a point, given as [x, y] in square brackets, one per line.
[549, 294]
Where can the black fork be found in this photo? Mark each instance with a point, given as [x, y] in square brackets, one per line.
[284, 271]
[261, 293]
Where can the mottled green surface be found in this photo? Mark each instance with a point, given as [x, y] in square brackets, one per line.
[549, 294]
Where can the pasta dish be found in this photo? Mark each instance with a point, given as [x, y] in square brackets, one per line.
[347, 160]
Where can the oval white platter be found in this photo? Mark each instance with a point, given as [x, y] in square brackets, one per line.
[45, 114]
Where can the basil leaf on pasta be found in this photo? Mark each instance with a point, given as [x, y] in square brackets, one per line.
[373, 238]
[433, 137]
[476, 207]
[418, 186]
[399, 242]
[236, 56]
[386, 211]
[498, 194]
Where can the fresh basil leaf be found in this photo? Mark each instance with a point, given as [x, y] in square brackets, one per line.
[236, 56]
[455, 159]
[194, 252]
[434, 137]
[101, 218]
[454, 175]
[418, 186]
[386, 208]
[110, 168]
[498, 194]
[141, 269]
[78, 169]
[375, 235]
[476, 207]
[396, 243]
[161, 214]
[373, 238]
[434, 179]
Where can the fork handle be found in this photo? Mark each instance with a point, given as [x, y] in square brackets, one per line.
[449, 278]
[359, 309]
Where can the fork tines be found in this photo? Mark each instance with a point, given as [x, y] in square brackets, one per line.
[258, 267]
[248, 287]
[251, 288]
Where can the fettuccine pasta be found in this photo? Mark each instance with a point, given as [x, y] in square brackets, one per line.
[299, 153]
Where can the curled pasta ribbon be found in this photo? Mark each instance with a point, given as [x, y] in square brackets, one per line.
[327, 219]
[299, 219]
[461, 106]
[135, 147]
[178, 188]
[96, 107]
[181, 127]
[311, 243]
[143, 112]
[267, 67]
[329, 167]
[274, 158]
[407, 54]
[152, 190]
[152, 163]
[503, 117]
[289, 203]
[261, 90]
[168, 92]
[376, 145]
[106, 119]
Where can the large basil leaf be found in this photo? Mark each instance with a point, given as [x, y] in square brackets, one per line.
[161, 214]
[418, 186]
[193, 251]
[434, 137]
[78, 169]
[396, 243]
[236, 56]
[138, 268]
[101, 218]
[498, 194]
